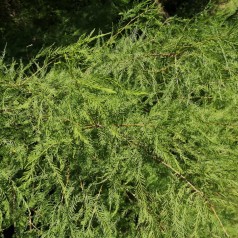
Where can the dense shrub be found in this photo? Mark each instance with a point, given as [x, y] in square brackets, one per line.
[133, 137]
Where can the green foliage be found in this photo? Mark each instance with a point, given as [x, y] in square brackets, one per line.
[133, 137]
[227, 8]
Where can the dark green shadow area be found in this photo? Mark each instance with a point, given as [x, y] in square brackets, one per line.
[26, 27]
[185, 8]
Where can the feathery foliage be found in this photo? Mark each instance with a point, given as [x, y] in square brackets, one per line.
[128, 135]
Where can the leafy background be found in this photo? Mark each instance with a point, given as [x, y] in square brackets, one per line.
[126, 134]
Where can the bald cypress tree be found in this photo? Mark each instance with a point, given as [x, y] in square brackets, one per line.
[128, 135]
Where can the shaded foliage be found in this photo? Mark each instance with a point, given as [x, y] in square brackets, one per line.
[183, 8]
[28, 26]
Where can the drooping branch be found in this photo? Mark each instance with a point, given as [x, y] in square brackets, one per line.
[195, 189]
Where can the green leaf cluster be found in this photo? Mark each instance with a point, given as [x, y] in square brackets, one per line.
[135, 136]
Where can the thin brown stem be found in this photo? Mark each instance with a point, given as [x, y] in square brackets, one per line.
[182, 177]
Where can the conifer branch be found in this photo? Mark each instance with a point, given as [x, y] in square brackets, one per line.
[202, 195]
[73, 132]
[95, 208]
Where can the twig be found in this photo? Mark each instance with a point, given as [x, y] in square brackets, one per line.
[97, 125]
[162, 54]
[182, 177]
